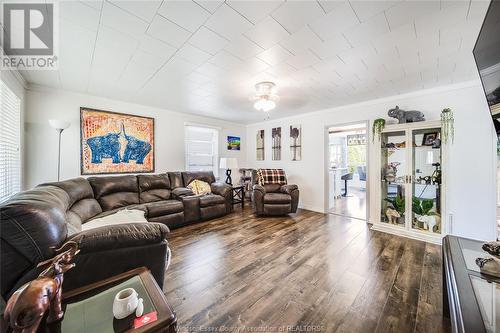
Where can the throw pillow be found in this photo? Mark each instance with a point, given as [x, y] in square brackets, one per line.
[120, 217]
[199, 187]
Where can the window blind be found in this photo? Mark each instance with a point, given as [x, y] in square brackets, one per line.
[10, 141]
[202, 148]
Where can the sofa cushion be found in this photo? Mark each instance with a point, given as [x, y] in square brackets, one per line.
[277, 198]
[153, 187]
[211, 200]
[82, 205]
[121, 217]
[206, 176]
[115, 192]
[175, 179]
[77, 189]
[165, 207]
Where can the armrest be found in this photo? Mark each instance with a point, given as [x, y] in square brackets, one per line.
[181, 192]
[120, 236]
[259, 188]
[288, 189]
[221, 188]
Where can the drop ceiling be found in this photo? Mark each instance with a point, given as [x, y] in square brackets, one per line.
[205, 57]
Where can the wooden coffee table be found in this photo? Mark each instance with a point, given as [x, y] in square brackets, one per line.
[89, 309]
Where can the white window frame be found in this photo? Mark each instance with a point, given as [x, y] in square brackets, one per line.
[10, 142]
[215, 142]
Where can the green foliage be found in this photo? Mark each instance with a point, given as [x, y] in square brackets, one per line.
[378, 127]
[398, 203]
[422, 206]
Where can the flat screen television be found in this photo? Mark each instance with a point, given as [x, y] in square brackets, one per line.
[487, 56]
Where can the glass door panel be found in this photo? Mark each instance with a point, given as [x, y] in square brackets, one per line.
[393, 180]
[426, 180]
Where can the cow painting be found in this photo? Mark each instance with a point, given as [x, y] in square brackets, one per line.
[110, 145]
[116, 143]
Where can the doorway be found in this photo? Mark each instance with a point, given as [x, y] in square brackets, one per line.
[347, 169]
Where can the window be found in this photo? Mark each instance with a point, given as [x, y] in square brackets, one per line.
[10, 141]
[202, 145]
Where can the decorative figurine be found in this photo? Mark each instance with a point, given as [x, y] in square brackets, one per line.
[490, 266]
[406, 116]
[392, 215]
[27, 305]
[429, 221]
[492, 248]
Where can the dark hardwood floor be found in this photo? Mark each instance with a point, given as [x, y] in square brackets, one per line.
[305, 272]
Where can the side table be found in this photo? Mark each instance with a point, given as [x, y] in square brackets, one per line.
[89, 309]
[239, 195]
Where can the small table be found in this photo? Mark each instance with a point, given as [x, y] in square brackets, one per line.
[239, 195]
[470, 299]
[89, 309]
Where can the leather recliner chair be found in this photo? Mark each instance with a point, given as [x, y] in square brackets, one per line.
[274, 199]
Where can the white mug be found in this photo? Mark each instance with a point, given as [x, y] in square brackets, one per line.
[125, 303]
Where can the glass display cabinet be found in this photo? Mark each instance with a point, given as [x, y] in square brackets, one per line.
[411, 190]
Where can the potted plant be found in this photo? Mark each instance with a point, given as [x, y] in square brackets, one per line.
[378, 127]
[398, 204]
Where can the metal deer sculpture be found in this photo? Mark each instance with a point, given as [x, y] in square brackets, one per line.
[27, 306]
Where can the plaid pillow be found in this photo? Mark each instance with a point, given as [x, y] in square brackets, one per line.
[271, 176]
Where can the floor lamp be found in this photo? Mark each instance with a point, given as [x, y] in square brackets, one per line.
[60, 126]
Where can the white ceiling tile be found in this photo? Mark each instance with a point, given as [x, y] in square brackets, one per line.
[187, 14]
[406, 11]
[198, 78]
[274, 55]
[366, 9]
[146, 10]
[210, 70]
[167, 31]
[331, 5]
[121, 20]
[210, 5]
[254, 10]
[281, 70]
[338, 20]
[300, 40]
[96, 4]
[228, 23]
[80, 14]
[243, 48]
[208, 41]
[193, 54]
[254, 66]
[477, 10]
[293, 15]
[391, 39]
[303, 59]
[372, 28]
[267, 33]
[331, 47]
[156, 46]
[224, 59]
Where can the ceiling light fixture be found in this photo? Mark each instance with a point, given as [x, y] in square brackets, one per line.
[265, 97]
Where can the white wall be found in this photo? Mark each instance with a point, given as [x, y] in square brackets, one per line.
[41, 140]
[471, 178]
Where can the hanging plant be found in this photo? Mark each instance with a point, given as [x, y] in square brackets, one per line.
[378, 127]
[447, 125]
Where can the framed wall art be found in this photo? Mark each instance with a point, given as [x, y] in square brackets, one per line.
[112, 142]
[295, 142]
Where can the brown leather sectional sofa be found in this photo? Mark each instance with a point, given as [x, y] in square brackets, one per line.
[33, 223]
